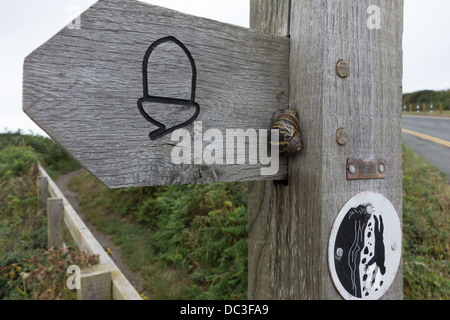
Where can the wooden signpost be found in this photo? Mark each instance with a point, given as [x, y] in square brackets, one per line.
[141, 95]
[289, 226]
[82, 88]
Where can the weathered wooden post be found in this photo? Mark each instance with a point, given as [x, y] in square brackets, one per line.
[42, 184]
[95, 283]
[55, 214]
[345, 76]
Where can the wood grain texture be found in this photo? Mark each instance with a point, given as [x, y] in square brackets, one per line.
[289, 226]
[95, 283]
[267, 210]
[42, 185]
[55, 214]
[82, 87]
[271, 16]
[86, 242]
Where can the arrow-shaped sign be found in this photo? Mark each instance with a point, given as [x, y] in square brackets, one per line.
[141, 95]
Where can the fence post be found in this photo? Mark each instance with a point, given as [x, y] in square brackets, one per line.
[341, 76]
[55, 212]
[95, 283]
[42, 184]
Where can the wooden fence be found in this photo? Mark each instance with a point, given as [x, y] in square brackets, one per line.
[102, 282]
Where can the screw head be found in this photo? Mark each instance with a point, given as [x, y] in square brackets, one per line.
[339, 252]
[342, 136]
[342, 69]
[381, 168]
[352, 169]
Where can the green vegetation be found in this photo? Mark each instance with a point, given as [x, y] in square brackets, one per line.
[427, 96]
[188, 242]
[55, 160]
[27, 269]
[426, 209]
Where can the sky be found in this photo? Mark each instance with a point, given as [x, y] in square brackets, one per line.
[26, 24]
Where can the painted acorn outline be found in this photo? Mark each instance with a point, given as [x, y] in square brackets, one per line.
[162, 131]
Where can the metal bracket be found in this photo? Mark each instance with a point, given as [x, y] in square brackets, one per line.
[361, 169]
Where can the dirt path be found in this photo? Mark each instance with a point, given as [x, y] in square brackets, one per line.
[134, 277]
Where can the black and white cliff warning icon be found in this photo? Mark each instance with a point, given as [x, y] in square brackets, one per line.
[147, 98]
[365, 247]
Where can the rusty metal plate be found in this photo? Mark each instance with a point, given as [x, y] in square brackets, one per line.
[360, 169]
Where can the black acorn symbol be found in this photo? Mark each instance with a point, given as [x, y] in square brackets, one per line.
[162, 130]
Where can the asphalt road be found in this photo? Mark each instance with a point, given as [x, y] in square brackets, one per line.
[432, 151]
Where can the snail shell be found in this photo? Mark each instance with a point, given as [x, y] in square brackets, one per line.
[290, 141]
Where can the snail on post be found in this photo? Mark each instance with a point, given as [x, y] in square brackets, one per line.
[290, 140]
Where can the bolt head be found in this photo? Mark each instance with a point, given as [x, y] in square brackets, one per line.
[342, 69]
[339, 252]
[342, 136]
[352, 169]
[381, 168]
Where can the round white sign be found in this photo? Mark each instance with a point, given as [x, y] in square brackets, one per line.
[365, 247]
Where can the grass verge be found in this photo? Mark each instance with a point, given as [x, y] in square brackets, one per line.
[187, 242]
[426, 206]
[28, 270]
